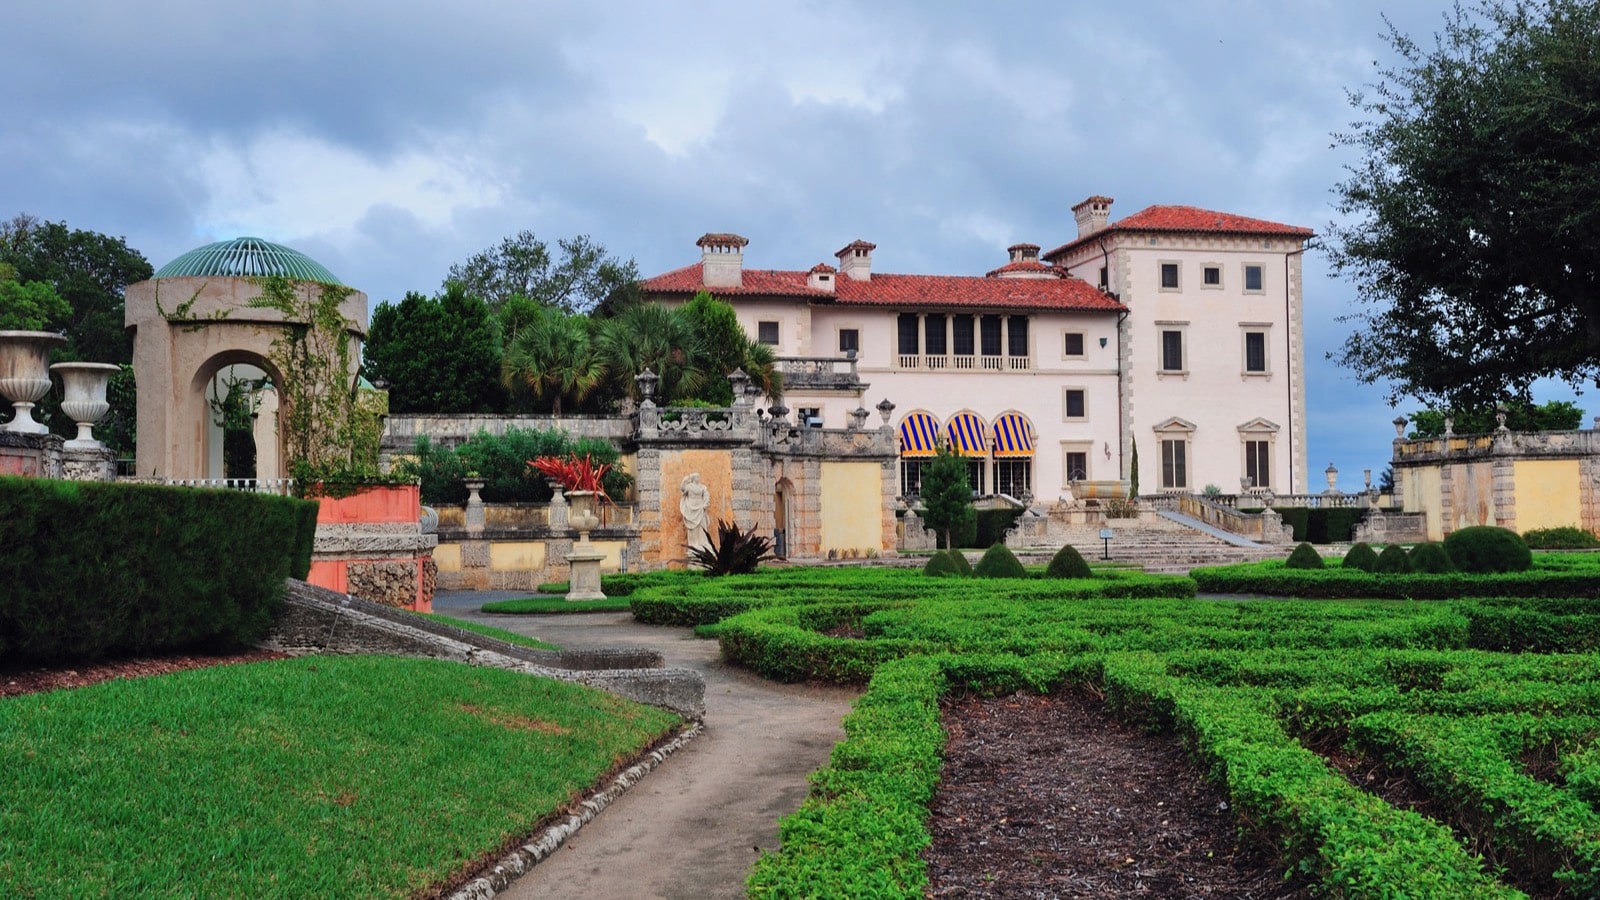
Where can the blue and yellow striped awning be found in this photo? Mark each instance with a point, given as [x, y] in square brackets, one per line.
[1013, 436]
[966, 435]
[919, 435]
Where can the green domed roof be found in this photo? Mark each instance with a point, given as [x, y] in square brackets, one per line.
[246, 257]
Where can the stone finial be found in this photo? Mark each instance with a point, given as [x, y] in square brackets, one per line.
[885, 409]
[858, 418]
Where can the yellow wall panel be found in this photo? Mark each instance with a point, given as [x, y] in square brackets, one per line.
[516, 556]
[1547, 493]
[447, 557]
[852, 506]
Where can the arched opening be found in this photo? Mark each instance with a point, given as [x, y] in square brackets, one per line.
[233, 398]
[919, 442]
[782, 493]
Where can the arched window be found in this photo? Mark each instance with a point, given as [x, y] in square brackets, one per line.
[966, 435]
[1013, 455]
[919, 440]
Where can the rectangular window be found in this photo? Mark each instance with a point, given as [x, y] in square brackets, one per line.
[1252, 278]
[1212, 276]
[1169, 276]
[933, 334]
[975, 475]
[767, 333]
[989, 333]
[1013, 477]
[1172, 351]
[1074, 406]
[911, 478]
[1077, 466]
[810, 417]
[1255, 351]
[962, 335]
[906, 327]
[1073, 344]
[1257, 464]
[1017, 336]
[1174, 465]
[849, 340]
[1104, 282]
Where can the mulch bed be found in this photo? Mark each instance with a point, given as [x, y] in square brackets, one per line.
[1052, 797]
[16, 681]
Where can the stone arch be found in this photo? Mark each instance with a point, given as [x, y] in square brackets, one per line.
[203, 384]
[783, 515]
[186, 329]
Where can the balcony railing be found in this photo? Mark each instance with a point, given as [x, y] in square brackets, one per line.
[965, 362]
[819, 372]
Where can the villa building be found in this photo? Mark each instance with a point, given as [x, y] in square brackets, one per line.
[1172, 336]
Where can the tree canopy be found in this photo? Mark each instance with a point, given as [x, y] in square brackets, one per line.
[1556, 415]
[1473, 229]
[947, 496]
[88, 270]
[577, 278]
[438, 354]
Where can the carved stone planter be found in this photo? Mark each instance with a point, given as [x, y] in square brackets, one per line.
[583, 578]
[25, 374]
[84, 387]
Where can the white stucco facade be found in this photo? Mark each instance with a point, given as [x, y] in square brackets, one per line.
[1191, 348]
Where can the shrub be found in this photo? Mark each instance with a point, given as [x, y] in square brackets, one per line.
[1564, 538]
[1430, 557]
[1304, 556]
[992, 525]
[1068, 563]
[502, 462]
[94, 569]
[999, 562]
[942, 566]
[1393, 561]
[1487, 548]
[736, 552]
[961, 564]
[1362, 557]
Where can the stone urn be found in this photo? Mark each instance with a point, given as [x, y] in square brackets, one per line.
[25, 374]
[84, 388]
[583, 578]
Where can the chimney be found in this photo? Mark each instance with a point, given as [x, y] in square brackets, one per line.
[1091, 215]
[1021, 253]
[722, 260]
[855, 260]
[821, 277]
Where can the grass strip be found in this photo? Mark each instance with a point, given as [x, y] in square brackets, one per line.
[325, 776]
[552, 606]
[510, 637]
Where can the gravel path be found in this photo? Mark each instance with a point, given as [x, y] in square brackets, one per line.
[692, 828]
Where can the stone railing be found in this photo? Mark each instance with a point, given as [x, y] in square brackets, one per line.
[737, 423]
[1265, 526]
[819, 373]
[281, 487]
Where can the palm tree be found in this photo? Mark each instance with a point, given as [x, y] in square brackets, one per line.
[651, 336]
[552, 357]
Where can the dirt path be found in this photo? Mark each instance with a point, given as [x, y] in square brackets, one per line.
[692, 828]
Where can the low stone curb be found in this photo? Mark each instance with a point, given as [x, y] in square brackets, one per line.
[519, 861]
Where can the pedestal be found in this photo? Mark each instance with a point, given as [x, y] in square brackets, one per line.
[583, 578]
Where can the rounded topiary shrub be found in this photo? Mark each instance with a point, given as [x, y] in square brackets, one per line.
[1361, 556]
[940, 565]
[959, 560]
[1304, 556]
[1068, 563]
[1486, 548]
[999, 562]
[1393, 560]
[1431, 558]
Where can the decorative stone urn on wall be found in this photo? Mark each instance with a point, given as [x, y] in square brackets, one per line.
[25, 374]
[84, 387]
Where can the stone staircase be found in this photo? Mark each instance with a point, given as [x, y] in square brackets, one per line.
[1165, 543]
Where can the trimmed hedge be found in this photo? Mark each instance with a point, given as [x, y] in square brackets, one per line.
[1430, 557]
[1566, 537]
[1068, 563]
[999, 562]
[1321, 526]
[93, 569]
[941, 565]
[1486, 548]
[1304, 556]
[1551, 577]
[1361, 556]
[1394, 560]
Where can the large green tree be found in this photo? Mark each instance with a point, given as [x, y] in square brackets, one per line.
[578, 277]
[947, 495]
[1472, 228]
[438, 354]
[88, 270]
[724, 346]
[553, 359]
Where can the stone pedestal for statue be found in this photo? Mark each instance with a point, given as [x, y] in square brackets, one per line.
[583, 561]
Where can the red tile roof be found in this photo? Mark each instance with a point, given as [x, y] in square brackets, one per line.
[939, 291]
[1189, 220]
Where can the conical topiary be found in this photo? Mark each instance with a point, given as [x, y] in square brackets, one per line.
[1304, 556]
[960, 561]
[940, 565]
[999, 562]
[1068, 563]
[1393, 560]
[1431, 558]
[1361, 556]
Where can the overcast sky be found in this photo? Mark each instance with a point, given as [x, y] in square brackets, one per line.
[388, 140]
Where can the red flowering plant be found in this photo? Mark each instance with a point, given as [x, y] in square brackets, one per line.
[574, 473]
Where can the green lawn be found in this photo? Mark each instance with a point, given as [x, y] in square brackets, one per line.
[314, 777]
[510, 637]
[555, 606]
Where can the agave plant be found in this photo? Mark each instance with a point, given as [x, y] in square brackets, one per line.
[735, 552]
